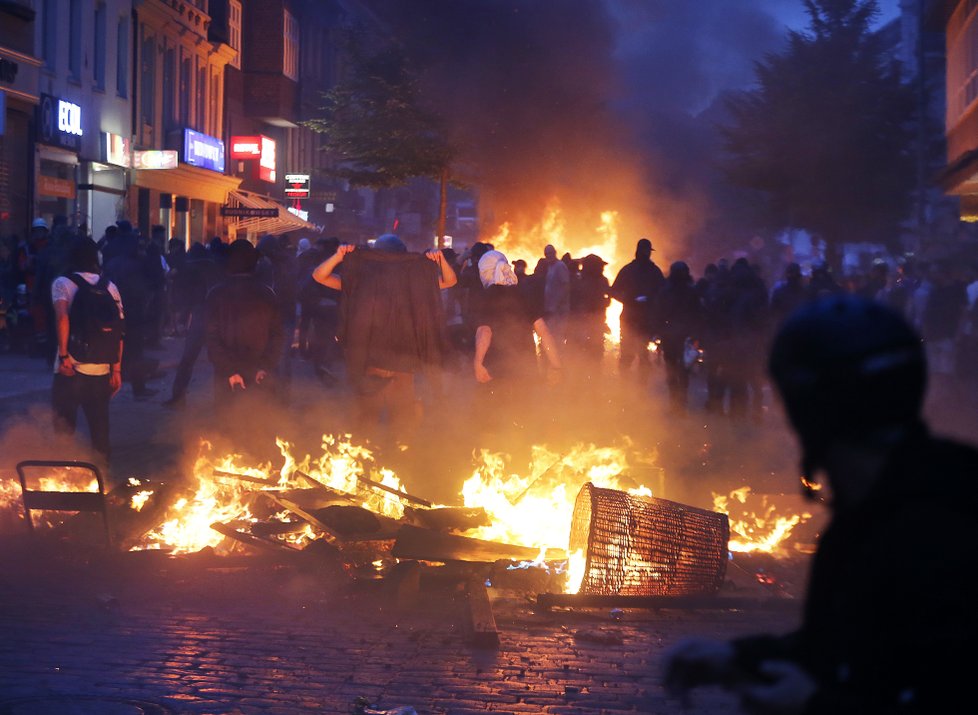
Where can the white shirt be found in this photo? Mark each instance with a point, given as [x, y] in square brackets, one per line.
[65, 289]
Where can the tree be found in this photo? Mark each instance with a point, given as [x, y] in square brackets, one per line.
[825, 135]
[376, 126]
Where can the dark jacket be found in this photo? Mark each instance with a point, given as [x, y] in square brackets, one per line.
[890, 618]
[636, 287]
[244, 327]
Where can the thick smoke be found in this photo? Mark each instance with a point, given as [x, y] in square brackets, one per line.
[594, 102]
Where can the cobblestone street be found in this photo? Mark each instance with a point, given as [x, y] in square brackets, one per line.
[267, 639]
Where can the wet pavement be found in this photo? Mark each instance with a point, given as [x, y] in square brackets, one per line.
[87, 632]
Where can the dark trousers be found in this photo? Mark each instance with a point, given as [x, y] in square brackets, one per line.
[91, 394]
[634, 347]
[192, 345]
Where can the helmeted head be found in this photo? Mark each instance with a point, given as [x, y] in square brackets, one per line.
[848, 370]
[390, 243]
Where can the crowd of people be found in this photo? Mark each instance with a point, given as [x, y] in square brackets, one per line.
[382, 319]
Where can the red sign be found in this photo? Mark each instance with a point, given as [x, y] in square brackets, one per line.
[266, 164]
[246, 147]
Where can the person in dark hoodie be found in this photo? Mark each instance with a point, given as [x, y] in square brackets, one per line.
[680, 316]
[886, 628]
[244, 327]
[636, 287]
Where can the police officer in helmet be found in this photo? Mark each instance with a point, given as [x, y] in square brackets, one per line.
[890, 607]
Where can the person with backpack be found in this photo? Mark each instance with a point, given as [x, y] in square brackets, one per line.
[89, 323]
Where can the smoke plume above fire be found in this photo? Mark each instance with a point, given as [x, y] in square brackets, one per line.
[593, 104]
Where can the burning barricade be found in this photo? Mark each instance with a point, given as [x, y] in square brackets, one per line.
[571, 523]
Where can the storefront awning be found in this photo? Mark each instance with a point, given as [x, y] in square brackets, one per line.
[188, 181]
[282, 221]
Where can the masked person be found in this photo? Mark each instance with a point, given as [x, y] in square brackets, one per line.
[636, 287]
[889, 615]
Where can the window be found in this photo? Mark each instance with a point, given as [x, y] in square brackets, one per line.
[169, 85]
[147, 80]
[98, 36]
[234, 31]
[49, 33]
[202, 98]
[75, 39]
[186, 94]
[290, 59]
[122, 57]
[962, 61]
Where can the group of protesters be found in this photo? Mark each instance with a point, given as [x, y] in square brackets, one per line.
[383, 320]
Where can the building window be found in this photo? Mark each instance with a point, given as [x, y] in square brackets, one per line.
[147, 80]
[186, 98]
[215, 104]
[202, 99]
[290, 59]
[98, 60]
[122, 57]
[75, 39]
[169, 86]
[234, 31]
[962, 61]
[49, 33]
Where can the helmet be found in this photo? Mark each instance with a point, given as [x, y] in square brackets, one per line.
[847, 368]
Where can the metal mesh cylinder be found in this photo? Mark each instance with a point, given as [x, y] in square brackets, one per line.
[643, 546]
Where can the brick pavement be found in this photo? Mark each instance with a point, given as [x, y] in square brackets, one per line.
[268, 639]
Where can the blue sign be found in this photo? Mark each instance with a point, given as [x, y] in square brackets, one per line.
[203, 151]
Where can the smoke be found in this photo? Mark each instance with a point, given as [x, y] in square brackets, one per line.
[592, 103]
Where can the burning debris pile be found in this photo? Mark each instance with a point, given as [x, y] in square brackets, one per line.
[574, 522]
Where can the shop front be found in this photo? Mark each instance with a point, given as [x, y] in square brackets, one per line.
[19, 74]
[183, 189]
[59, 135]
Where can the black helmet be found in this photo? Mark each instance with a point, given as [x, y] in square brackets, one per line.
[847, 367]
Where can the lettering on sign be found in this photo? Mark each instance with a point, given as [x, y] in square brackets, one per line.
[69, 118]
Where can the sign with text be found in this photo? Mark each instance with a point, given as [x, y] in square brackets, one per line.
[59, 123]
[53, 186]
[297, 186]
[246, 147]
[266, 163]
[203, 151]
[155, 159]
[249, 212]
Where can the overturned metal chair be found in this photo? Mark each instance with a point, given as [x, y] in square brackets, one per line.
[59, 499]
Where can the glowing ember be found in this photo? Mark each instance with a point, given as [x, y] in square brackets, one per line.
[762, 531]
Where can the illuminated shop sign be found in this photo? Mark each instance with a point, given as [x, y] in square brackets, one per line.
[115, 149]
[297, 186]
[203, 151]
[154, 159]
[304, 215]
[246, 147]
[60, 123]
[266, 164]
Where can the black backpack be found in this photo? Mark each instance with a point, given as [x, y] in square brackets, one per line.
[95, 328]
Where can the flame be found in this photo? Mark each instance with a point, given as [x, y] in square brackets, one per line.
[764, 531]
[551, 229]
[343, 466]
[536, 510]
[65, 480]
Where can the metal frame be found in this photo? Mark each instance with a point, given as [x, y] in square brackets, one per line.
[41, 500]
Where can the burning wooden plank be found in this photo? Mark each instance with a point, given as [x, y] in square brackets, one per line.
[447, 518]
[415, 542]
[221, 474]
[265, 543]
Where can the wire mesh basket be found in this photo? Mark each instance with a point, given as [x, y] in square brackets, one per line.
[643, 546]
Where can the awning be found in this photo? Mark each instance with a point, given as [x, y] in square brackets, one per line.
[278, 219]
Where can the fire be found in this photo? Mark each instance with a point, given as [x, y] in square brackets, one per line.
[552, 229]
[536, 510]
[764, 531]
[219, 494]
